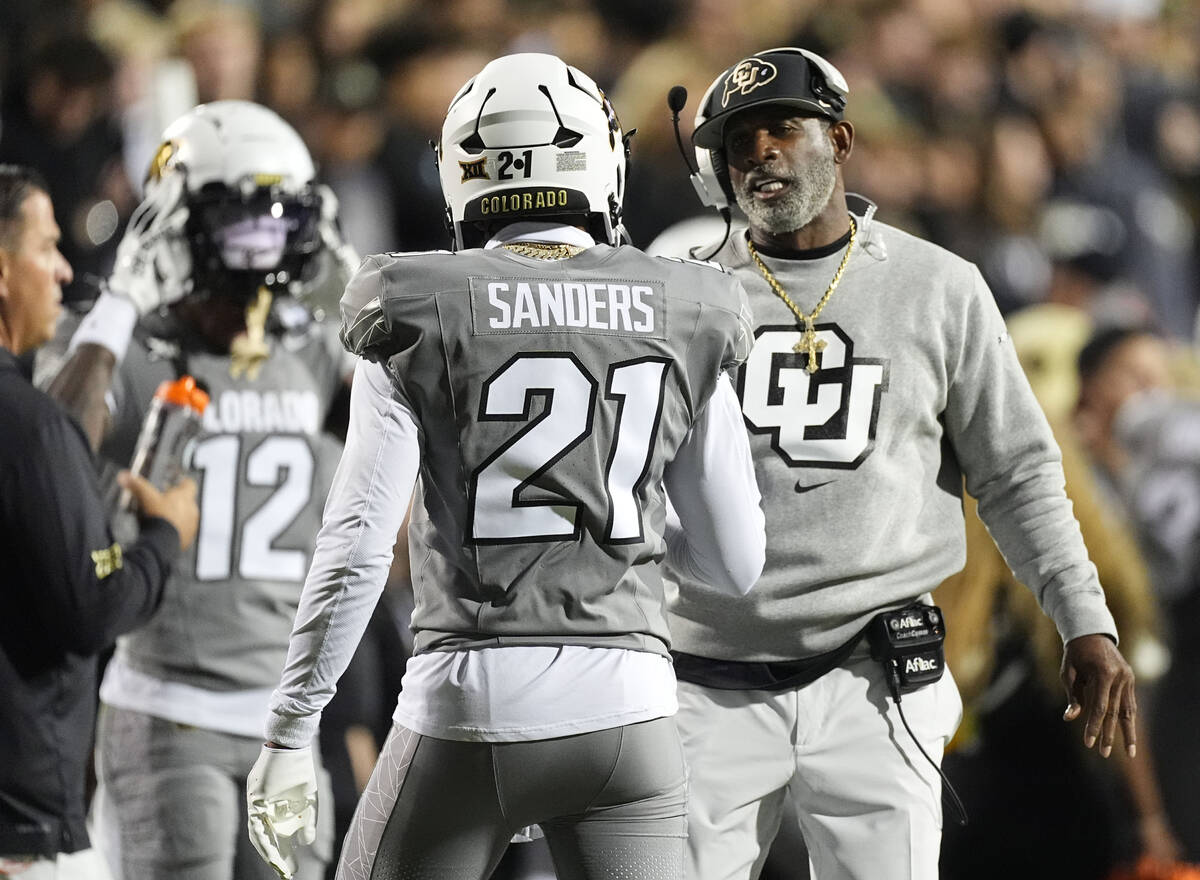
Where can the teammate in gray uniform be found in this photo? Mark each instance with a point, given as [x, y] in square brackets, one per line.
[215, 269]
[540, 386]
[880, 377]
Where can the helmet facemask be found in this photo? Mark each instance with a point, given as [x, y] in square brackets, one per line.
[251, 237]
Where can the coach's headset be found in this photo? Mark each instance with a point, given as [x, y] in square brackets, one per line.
[789, 76]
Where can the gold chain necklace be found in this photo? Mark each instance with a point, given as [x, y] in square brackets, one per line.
[808, 342]
[543, 250]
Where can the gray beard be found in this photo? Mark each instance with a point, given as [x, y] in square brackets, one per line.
[811, 188]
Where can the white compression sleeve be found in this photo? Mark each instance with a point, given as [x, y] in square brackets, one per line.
[363, 513]
[714, 493]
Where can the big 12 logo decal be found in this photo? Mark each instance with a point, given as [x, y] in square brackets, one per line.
[823, 419]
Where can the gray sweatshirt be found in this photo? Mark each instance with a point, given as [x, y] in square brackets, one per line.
[861, 464]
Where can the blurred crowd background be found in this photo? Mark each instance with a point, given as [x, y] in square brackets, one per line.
[1055, 143]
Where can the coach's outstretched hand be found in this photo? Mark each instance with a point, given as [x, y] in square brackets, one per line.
[1100, 688]
[281, 798]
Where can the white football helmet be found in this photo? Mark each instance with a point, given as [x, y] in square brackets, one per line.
[254, 210]
[530, 137]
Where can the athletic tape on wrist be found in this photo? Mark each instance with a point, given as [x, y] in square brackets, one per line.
[110, 324]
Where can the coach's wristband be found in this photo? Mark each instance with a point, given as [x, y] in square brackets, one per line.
[110, 324]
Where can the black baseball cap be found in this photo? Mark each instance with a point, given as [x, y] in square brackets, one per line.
[788, 76]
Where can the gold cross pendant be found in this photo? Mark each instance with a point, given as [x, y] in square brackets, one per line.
[810, 344]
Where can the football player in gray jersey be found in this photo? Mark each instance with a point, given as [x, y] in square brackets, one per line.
[881, 376]
[215, 277]
[543, 387]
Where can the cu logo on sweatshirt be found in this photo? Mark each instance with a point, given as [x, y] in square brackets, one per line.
[824, 419]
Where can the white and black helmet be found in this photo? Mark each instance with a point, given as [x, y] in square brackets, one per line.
[253, 206]
[530, 137]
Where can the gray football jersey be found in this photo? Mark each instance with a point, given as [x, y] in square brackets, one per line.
[263, 465]
[550, 395]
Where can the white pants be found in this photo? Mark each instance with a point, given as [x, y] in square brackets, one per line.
[868, 803]
[83, 865]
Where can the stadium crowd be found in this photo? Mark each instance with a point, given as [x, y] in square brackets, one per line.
[1054, 143]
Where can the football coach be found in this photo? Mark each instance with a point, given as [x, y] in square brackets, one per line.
[67, 590]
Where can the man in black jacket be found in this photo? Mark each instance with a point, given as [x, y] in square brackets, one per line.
[66, 589]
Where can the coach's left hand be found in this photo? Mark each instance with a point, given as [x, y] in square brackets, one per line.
[1100, 687]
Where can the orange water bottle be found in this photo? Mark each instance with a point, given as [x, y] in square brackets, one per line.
[168, 432]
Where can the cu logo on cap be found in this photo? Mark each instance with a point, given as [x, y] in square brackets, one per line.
[748, 76]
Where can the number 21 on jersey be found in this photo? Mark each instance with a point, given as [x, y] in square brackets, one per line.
[499, 511]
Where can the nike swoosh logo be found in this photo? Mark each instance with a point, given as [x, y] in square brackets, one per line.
[802, 489]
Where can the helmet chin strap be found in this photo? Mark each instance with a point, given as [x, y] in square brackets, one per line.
[250, 348]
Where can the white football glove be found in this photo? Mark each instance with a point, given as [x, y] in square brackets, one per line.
[153, 261]
[281, 798]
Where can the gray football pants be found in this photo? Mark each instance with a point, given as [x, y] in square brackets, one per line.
[172, 801]
[611, 803]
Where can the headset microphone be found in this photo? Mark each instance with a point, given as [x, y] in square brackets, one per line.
[676, 99]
